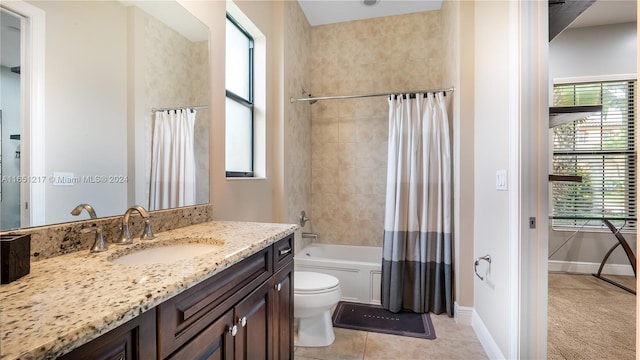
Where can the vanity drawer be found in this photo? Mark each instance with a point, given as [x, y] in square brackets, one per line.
[185, 315]
[282, 252]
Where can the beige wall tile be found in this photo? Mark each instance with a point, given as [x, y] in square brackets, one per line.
[349, 137]
[298, 132]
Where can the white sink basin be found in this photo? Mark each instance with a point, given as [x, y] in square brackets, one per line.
[165, 254]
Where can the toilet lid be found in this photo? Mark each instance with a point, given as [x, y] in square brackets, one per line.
[311, 281]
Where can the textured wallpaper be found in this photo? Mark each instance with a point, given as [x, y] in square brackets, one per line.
[349, 137]
[177, 75]
[297, 121]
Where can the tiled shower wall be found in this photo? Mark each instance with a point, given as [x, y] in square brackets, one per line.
[297, 127]
[349, 137]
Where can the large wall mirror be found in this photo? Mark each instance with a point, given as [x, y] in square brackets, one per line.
[104, 69]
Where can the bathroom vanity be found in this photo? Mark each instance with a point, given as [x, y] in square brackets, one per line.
[233, 302]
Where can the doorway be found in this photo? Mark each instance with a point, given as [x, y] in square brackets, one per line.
[595, 57]
[10, 115]
[31, 36]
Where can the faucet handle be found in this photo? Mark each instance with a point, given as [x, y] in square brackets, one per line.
[125, 235]
[304, 218]
[98, 244]
[147, 233]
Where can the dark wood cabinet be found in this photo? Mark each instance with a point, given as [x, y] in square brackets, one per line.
[184, 316]
[135, 340]
[282, 319]
[254, 337]
[214, 342]
[243, 312]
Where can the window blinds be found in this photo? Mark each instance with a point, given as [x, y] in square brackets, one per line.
[601, 149]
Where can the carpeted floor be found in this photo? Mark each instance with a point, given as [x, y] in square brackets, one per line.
[590, 319]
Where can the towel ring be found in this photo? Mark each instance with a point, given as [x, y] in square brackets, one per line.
[486, 258]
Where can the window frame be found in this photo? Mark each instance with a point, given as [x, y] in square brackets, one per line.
[248, 103]
[631, 175]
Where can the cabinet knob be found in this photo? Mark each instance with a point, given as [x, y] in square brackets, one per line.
[233, 330]
[278, 286]
[242, 321]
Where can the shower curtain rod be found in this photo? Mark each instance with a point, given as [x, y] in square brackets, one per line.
[316, 98]
[178, 108]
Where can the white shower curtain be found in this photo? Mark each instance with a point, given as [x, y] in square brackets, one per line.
[417, 245]
[173, 166]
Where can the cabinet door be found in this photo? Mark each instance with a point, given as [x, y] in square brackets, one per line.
[253, 340]
[214, 342]
[282, 318]
[134, 340]
[184, 316]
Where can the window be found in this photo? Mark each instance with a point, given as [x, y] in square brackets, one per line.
[601, 149]
[239, 101]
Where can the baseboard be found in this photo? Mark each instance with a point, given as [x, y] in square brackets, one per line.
[462, 314]
[589, 268]
[484, 336]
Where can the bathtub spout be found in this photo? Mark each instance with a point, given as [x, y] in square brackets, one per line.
[310, 235]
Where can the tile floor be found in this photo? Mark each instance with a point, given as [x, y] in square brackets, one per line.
[453, 341]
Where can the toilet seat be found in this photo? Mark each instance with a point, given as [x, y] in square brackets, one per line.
[312, 283]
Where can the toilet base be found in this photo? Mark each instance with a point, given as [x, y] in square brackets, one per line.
[315, 331]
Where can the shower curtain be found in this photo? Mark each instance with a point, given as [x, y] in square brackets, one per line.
[417, 244]
[173, 166]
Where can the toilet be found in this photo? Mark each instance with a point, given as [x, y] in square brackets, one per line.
[314, 296]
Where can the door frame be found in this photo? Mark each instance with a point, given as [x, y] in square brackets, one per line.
[528, 143]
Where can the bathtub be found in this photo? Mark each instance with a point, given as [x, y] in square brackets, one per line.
[357, 267]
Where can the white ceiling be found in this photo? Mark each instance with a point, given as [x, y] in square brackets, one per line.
[604, 12]
[321, 12]
[174, 15]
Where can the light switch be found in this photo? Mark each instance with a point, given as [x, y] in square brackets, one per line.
[501, 180]
[63, 179]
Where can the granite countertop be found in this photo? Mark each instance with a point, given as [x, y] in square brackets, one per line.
[71, 299]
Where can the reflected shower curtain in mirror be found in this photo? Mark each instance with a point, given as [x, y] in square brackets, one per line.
[173, 166]
[417, 245]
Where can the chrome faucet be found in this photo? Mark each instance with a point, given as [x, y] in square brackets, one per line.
[98, 244]
[78, 209]
[125, 233]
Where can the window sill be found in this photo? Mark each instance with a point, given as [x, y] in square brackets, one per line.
[625, 230]
[245, 178]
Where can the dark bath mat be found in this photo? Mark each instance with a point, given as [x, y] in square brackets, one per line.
[374, 318]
